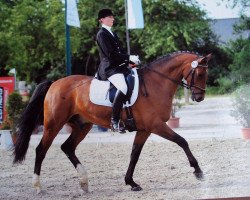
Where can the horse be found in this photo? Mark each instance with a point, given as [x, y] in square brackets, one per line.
[66, 101]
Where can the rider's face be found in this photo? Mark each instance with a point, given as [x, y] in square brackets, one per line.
[108, 21]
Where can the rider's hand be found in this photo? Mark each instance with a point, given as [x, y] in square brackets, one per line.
[135, 59]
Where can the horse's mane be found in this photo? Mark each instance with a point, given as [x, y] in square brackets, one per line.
[169, 56]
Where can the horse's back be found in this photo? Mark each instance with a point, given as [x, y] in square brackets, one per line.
[63, 95]
[69, 84]
[71, 81]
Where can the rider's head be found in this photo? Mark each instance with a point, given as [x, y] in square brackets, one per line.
[106, 17]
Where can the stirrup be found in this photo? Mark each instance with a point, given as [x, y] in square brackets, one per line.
[122, 128]
[114, 126]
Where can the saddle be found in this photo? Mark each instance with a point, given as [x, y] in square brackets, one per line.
[105, 96]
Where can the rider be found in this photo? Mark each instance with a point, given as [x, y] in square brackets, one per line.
[114, 62]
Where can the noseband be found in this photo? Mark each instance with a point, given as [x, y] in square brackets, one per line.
[194, 65]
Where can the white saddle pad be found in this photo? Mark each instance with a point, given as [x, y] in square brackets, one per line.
[98, 92]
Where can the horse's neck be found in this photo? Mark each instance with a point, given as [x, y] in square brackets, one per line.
[160, 89]
[171, 76]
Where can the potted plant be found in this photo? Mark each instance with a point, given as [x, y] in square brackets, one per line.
[241, 109]
[6, 141]
[174, 121]
[14, 107]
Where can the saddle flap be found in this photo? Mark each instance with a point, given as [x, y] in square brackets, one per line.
[99, 90]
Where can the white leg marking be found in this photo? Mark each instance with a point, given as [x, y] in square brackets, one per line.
[83, 177]
[36, 183]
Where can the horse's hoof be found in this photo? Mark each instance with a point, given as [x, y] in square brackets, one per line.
[136, 188]
[84, 187]
[122, 131]
[83, 177]
[38, 190]
[36, 183]
[199, 176]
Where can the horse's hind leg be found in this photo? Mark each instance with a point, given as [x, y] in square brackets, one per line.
[139, 141]
[164, 131]
[79, 131]
[41, 151]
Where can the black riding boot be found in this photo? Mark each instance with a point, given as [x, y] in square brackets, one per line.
[116, 110]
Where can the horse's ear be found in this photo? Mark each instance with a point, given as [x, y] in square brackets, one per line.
[205, 59]
[208, 57]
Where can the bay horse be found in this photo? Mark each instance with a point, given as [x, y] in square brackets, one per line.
[66, 101]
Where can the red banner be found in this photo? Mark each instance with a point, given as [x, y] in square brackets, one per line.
[1, 104]
[8, 86]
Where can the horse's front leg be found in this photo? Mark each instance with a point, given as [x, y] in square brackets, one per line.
[164, 131]
[139, 141]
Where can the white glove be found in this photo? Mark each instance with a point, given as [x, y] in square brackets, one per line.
[135, 59]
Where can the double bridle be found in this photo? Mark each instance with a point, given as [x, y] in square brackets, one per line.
[194, 65]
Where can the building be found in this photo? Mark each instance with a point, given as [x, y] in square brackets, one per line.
[224, 29]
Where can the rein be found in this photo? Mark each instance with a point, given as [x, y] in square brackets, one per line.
[181, 83]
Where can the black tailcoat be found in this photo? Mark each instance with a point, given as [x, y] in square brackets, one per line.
[113, 57]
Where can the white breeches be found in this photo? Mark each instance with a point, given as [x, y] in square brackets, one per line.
[118, 80]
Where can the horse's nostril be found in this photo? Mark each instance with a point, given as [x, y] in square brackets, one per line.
[199, 99]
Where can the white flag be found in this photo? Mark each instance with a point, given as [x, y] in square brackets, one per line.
[13, 71]
[72, 14]
[135, 14]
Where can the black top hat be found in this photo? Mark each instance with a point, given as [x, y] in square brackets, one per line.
[105, 13]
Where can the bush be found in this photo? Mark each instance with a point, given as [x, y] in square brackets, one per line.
[14, 108]
[5, 125]
[241, 105]
[240, 67]
[212, 91]
[226, 85]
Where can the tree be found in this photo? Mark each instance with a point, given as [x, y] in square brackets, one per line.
[5, 9]
[243, 4]
[178, 25]
[33, 34]
[239, 49]
[171, 26]
[37, 37]
[240, 71]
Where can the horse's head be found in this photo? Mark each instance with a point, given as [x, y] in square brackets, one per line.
[195, 74]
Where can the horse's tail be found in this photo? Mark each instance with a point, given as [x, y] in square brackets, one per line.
[31, 117]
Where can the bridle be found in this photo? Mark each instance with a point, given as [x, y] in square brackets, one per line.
[194, 65]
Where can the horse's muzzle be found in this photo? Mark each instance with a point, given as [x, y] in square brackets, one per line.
[198, 97]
